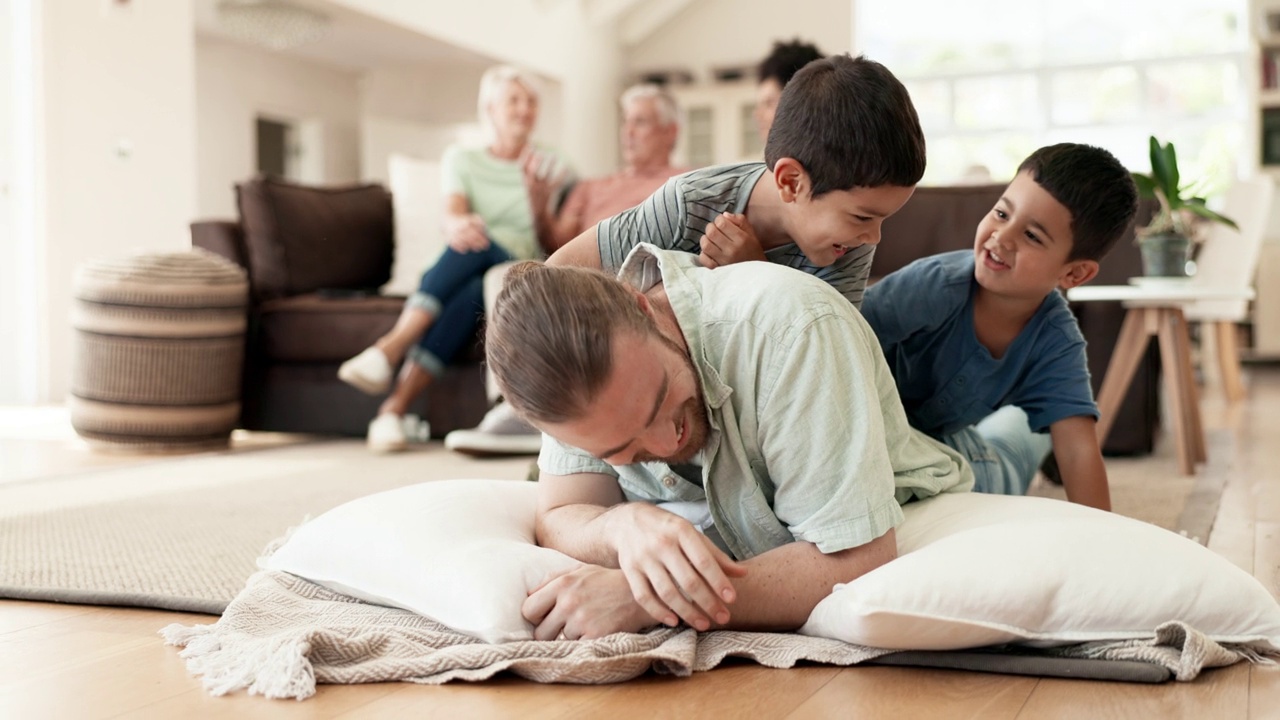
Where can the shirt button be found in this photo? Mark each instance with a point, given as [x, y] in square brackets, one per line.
[669, 481]
[960, 380]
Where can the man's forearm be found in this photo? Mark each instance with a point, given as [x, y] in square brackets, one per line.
[579, 531]
[783, 586]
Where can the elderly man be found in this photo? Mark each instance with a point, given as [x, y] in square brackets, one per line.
[723, 446]
[648, 135]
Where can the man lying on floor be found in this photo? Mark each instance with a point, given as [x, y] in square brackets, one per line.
[723, 446]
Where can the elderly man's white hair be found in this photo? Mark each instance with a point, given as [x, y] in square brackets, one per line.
[492, 83]
[668, 110]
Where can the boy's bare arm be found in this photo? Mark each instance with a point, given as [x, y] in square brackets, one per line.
[582, 251]
[1084, 475]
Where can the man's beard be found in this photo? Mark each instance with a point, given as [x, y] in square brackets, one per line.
[698, 425]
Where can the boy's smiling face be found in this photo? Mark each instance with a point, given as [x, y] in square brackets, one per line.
[1023, 244]
[828, 226]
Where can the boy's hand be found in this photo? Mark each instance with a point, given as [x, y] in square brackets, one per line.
[729, 239]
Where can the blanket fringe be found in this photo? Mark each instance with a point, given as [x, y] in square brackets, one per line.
[275, 667]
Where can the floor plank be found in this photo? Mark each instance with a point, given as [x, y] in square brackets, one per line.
[502, 697]
[1221, 693]
[875, 692]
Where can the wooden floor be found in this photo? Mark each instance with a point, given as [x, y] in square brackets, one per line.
[93, 662]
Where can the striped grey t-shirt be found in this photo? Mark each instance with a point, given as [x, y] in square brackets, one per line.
[676, 216]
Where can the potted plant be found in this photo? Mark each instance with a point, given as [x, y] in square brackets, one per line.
[1166, 240]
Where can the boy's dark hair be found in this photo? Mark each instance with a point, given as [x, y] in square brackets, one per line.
[786, 59]
[850, 123]
[1094, 187]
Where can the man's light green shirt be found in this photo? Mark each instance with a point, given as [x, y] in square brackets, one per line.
[809, 440]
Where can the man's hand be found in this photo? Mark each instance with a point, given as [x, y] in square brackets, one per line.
[540, 182]
[674, 571]
[729, 239]
[589, 602]
[465, 233]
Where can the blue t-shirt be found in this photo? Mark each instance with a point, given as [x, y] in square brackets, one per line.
[923, 317]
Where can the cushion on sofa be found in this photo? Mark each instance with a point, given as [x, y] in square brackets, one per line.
[934, 220]
[313, 329]
[300, 239]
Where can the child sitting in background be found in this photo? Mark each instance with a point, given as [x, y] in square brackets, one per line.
[984, 351]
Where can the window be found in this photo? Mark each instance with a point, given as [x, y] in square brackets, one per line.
[994, 79]
[700, 131]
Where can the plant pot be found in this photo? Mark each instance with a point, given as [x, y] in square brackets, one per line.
[1165, 255]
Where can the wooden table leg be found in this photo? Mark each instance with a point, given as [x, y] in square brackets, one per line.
[1175, 387]
[1191, 395]
[1130, 344]
[1229, 359]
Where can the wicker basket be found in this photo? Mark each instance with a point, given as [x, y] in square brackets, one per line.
[159, 351]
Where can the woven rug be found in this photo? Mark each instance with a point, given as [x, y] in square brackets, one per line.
[283, 634]
[183, 533]
[1151, 488]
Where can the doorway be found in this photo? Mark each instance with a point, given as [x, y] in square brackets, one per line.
[277, 142]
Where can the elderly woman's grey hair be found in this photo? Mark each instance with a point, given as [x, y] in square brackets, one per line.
[492, 83]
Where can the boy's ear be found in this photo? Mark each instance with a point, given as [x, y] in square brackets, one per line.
[791, 178]
[1077, 273]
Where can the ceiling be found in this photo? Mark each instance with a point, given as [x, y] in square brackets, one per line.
[356, 41]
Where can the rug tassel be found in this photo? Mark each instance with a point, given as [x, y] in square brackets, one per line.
[1259, 654]
[274, 667]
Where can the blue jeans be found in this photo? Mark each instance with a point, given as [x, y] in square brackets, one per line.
[452, 291]
[1004, 452]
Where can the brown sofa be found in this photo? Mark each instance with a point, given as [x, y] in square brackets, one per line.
[940, 219]
[304, 247]
[316, 258]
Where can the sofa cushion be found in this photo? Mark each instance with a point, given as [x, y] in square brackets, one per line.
[300, 239]
[315, 329]
[934, 220]
[310, 328]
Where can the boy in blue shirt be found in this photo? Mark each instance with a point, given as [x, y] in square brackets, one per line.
[984, 351]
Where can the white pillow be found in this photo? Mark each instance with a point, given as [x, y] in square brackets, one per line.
[417, 204]
[979, 570]
[972, 570]
[460, 552]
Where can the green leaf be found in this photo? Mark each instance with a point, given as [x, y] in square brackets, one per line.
[1146, 186]
[1171, 157]
[1197, 206]
[1161, 172]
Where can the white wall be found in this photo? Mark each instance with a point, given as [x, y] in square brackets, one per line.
[725, 33]
[17, 311]
[533, 33]
[565, 41]
[118, 146]
[235, 84]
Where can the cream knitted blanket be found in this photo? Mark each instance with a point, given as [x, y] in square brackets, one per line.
[281, 635]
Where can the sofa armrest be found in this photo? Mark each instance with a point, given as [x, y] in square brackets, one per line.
[221, 237]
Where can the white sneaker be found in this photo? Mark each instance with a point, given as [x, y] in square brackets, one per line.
[501, 432]
[369, 372]
[386, 434]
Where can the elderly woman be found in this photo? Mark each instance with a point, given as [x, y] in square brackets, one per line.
[488, 220]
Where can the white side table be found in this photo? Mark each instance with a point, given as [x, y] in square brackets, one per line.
[1156, 309]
